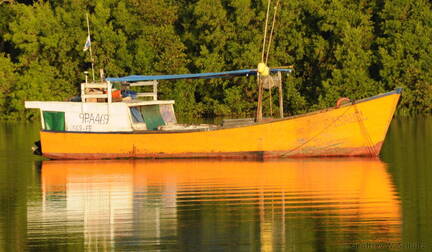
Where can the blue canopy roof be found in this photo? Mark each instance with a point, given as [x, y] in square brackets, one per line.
[227, 74]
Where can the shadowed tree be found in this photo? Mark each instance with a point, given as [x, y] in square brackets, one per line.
[351, 48]
[405, 52]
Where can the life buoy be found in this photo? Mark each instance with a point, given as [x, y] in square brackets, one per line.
[341, 100]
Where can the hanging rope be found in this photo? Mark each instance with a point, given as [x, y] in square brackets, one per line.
[271, 32]
[365, 133]
[262, 69]
[265, 31]
[267, 56]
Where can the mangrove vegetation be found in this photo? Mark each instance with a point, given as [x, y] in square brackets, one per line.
[338, 48]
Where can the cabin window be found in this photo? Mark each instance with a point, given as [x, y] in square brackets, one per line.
[148, 114]
[152, 116]
[54, 120]
[167, 113]
[136, 115]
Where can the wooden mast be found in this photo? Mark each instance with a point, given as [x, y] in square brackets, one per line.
[259, 80]
[264, 71]
[281, 112]
[260, 94]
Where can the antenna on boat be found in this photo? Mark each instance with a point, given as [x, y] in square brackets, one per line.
[87, 46]
[86, 76]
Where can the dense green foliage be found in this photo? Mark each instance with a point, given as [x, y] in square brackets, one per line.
[352, 48]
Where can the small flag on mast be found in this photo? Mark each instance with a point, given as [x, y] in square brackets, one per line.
[87, 43]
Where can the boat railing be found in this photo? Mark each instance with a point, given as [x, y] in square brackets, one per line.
[92, 91]
[153, 83]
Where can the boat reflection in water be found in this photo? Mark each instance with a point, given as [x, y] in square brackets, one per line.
[203, 204]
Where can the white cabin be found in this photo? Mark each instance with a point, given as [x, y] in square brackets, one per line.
[102, 109]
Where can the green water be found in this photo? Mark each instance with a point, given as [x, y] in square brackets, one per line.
[198, 205]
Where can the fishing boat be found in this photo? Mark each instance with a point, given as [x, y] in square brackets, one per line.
[104, 124]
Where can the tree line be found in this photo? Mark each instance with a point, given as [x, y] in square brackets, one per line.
[339, 48]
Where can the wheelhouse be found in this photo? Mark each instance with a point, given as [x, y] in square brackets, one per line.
[102, 108]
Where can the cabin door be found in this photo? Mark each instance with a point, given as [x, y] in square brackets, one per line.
[54, 120]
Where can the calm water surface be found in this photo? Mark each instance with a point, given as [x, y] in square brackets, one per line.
[203, 205]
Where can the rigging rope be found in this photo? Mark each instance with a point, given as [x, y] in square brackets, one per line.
[265, 31]
[271, 32]
[364, 131]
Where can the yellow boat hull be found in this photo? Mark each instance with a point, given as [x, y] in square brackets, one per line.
[357, 129]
